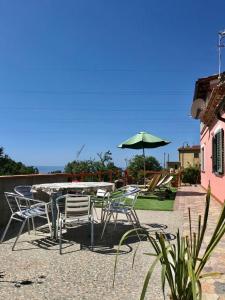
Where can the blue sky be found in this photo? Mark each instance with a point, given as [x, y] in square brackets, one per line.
[97, 72]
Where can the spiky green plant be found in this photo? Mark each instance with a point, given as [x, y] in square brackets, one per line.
[181, 262]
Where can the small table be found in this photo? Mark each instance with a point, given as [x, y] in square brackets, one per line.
[52, 189]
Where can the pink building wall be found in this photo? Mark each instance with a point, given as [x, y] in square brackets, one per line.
[217, 182]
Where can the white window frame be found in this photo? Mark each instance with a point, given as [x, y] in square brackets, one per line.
[203, 158]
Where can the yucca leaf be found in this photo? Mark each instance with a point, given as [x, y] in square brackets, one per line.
[211, 274]
[124, 237]
[212, 244]
[135, 252]
[169, 274]
[199, 289]
[194, 248]
[192, 278]
[190, 225]
[221, 219]
[163, 279]
[204, 225]
[150, 254]
[148, 276]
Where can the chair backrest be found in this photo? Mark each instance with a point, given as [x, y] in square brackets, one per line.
[77, 206]
[162, 180]
[168, 180]
[12, 201]
[24, 190]
[152, 185]
[102, 193]
[131, 192]
[133, 198]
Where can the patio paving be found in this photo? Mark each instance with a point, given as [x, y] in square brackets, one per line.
[194, 197]
[82, 274]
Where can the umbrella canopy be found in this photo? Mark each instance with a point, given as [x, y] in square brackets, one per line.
[143, 140]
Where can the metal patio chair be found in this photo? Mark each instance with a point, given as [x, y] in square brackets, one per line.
[77, 211]
[24, 190]
[23, 209]
[100, 200]
[119, 205]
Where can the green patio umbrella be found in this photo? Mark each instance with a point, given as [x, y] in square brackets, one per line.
[143, 140]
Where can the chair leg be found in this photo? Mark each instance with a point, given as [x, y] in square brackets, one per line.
[133, 211]
[28, 226]
[49, 223]
[115, 221]
[34, 228]
[136, 220]
[106, 221]
[130, 219]
[92, 234]
[6, 229]
[95, 212]
[60, 237]
[102, 211]
[20, 231]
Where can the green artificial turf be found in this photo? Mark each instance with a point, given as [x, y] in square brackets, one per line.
[160, 202]
[156, 202]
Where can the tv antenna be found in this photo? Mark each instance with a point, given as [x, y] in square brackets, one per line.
[221, 35]
[79, 151]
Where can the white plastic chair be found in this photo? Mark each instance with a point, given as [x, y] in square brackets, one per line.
[23, 209]
[77, 211]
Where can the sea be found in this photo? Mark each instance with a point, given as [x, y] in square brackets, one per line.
[49, 169]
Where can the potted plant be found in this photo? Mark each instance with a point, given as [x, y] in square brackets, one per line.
[182, 262]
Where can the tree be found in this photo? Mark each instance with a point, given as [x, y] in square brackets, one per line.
[92, 166]
[105, 158]
[10, 167]
[135, 166]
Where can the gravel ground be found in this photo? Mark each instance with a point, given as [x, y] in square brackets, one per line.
[82, 274]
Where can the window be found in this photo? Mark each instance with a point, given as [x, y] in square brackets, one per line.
[196, 155]
[202, 159]
[218, 152]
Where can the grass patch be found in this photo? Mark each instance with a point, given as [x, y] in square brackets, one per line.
[155, 202]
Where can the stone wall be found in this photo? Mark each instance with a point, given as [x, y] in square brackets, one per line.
[7, 184]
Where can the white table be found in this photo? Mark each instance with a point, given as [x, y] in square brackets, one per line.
[52, 189]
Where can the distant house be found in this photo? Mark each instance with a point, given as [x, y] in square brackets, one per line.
[208, 106]
[189, 156]
[175, 165]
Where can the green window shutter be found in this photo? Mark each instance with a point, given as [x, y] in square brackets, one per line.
[220, 152]
[214, 165]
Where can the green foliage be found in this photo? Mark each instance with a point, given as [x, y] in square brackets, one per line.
[92, 166]
[135, 166]
[10, 167]
[182, 262]
[191, 175]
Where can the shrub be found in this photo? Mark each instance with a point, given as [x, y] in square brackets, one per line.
[191, 175]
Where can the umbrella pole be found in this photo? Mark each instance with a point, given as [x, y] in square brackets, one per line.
[144, 163]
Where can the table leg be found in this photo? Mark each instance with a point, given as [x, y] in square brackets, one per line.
[54, 214]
